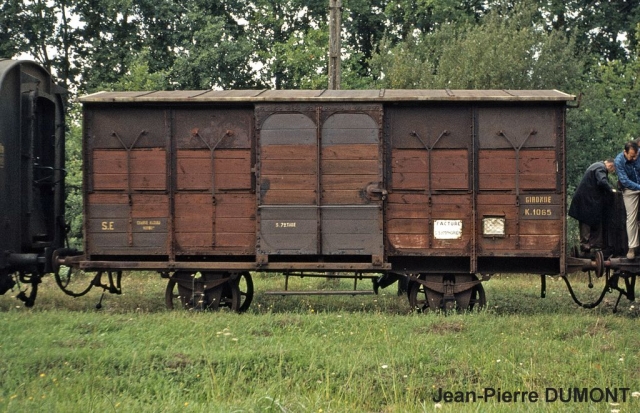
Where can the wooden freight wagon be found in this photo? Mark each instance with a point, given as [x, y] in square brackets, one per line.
[442, 186]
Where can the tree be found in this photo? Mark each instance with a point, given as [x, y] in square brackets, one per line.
[504, 51]
[601, 28]
[609, 114]
[42, 29]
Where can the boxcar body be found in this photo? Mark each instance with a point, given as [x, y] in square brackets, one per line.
[400, 182]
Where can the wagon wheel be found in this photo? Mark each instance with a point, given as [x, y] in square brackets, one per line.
[230, 297]
[423, 298]
[171, 294]
[418, 297]
[245, 287]
[201, 292]
[478, 298]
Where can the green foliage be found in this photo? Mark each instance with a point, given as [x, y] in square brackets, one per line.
[213, 58]
[608, 117]
[503, 52]
[138, 78]
[42, 29]
[73, 179]
[234, 43]
[408, 18]
[304, 58]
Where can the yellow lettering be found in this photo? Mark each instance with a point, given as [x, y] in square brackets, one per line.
[107, 226]
[537, 200]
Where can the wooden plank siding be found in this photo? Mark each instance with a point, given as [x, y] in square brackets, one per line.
[148, 169]
[521, 234]
[288, 174]
[497, 169]
[304, 178]
[409, 221]
[313, 182]
[119, 225]
[196, 198]
[410, 169]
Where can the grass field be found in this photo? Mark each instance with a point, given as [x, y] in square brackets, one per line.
[316, 354]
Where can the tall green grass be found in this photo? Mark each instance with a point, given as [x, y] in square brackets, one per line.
[310, 354]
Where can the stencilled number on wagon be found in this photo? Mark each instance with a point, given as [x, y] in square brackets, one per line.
[538, 212]
[285, 224]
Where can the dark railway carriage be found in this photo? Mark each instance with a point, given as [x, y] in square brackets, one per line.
[442, 186]
[31, 174]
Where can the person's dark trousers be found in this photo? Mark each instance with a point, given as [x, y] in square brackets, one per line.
[590, 237]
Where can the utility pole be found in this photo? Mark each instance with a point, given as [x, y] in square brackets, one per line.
[335, 13]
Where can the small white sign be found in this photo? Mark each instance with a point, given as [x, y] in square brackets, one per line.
[447, 229]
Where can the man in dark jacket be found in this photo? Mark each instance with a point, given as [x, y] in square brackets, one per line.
[588, 203]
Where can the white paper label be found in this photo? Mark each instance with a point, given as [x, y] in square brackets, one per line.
[447, 229]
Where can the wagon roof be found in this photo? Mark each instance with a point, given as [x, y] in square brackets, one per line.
[382, 95]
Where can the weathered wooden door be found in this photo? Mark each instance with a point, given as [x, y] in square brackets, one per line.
[320, 180]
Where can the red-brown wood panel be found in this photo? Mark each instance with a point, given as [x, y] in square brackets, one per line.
[287, 197]
[288, 174]
[194, 216]
[236, 223]
[541, 243]
[410, 169]
[410, 219]
[350, 152]
[407, 221]
[152, 206]
[232, 169]
[347, 182]
[147, 169]
[193, 169]
[497, 169]
[289, 183]
[293, 166]
[349, 166]
[347, 169]
[109, 169]
[541, 227]
[521, 234]
[202, 226]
